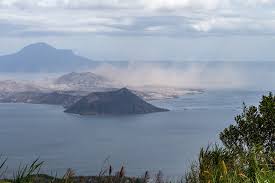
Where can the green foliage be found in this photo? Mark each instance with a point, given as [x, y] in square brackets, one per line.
[26, 174]
[254, 127]
[248, 154]
[218, 165]
[30, 174]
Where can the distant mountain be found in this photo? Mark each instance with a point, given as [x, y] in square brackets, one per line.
[41, 57]
[84, 81]
[53, 98]
[117, 102]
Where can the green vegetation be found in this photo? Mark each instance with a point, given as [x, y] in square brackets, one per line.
[30, 174]
[247, 155]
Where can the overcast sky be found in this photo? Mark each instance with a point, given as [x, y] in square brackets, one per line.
[143, 29]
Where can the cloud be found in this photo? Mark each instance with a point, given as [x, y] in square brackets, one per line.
[135, 4]
[138, 17]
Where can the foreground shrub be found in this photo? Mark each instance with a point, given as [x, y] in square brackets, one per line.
[248, 154]
[217, 164]
[255, 126]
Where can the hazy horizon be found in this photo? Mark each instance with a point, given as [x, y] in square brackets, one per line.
[138, 30]
[20, 48]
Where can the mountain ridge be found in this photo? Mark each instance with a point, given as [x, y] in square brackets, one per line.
[83, 81]
[42, 57]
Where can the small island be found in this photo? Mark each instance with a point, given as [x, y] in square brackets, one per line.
[119, 102]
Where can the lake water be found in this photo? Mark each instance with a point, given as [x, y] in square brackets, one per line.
[167, 141]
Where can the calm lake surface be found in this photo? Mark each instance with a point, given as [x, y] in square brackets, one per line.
[161, 141]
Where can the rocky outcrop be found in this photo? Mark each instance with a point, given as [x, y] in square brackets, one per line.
[118, 102]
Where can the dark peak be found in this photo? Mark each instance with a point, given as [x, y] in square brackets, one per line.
[118, 102]
[38, 46]
[43, 48]
[124, 90]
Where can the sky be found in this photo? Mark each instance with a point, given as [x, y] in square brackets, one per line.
[139, 30]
